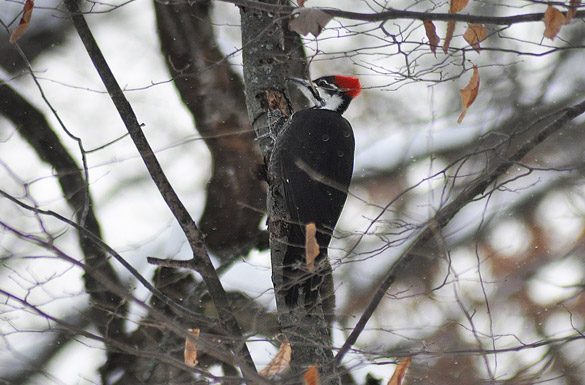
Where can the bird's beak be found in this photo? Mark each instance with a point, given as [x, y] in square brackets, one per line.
[308, 89]
[300, 82]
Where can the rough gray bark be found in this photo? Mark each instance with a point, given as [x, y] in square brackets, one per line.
[265, 71]
[267, 63]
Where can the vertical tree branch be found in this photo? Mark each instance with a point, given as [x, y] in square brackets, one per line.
[265, 71]
[201, 258]
[268, 51]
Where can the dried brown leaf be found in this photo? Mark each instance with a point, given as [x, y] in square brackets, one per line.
[449, 35]
[431, 32]
[308, 20]
[457, 5]
[475, 34]
[24, 22]
[469, 93]
[454, 7]
[302, 3]
[400, 372]
[312, 376]
[191, 348]
[279, 362]
[311, 246]
[573, 4]
[553, 21]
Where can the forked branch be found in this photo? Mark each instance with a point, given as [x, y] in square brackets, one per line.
[201, 259]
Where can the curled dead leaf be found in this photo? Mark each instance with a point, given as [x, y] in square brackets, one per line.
[311, 246]
[308, 20]
[312, 376]
[24, 22]
[400, 372]
[469, 93]
[475, 34]
[553, 21]
[431, 32]
[191, 348]
[448, 35]
[573, 5]
[279, 362]
[454, 7]
[457, 5]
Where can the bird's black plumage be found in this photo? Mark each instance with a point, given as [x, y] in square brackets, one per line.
[314, 155]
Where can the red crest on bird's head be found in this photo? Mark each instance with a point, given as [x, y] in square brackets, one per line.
[350, 84]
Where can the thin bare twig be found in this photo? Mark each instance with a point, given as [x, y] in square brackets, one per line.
[117, 288]
[393, 14]
[499, 163]
[200, 256]
[73, 180]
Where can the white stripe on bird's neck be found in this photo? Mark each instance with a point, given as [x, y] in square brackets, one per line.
[326, 101]
[331, 102]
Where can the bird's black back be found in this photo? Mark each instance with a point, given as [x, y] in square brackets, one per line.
[314, 154]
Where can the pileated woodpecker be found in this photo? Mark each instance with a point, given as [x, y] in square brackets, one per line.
[314, 154]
